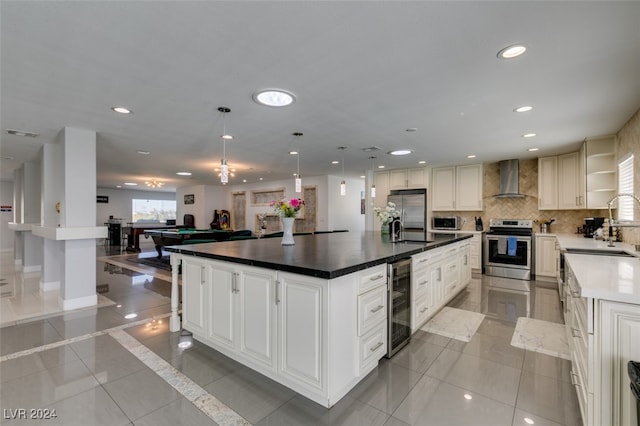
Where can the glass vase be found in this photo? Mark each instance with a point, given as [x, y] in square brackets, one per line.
[287, 231]
[384, 229]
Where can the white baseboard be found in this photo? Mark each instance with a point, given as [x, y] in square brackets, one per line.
[31, 268]
[49, 286]
[80, 302]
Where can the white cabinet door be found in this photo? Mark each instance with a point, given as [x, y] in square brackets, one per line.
[443, 188]
[546, 256]
[475, 252]
[417, 178]
[619, 341]
[302, 304]
[569, 182]
[258, 315]
[464, 257]
[194, 290]
[548, 183]
[221, 303]
[469, 187]
[397, 179]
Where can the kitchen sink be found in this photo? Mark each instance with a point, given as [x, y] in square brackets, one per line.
[599, 252]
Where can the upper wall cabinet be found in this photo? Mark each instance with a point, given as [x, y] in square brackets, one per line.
[457, 188]
[381, 180]
[600, 171]
[408, 178]
[561, 182]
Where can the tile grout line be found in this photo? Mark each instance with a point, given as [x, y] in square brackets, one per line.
[79, 338]
[203, 400]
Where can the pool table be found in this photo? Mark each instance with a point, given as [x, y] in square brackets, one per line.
[176, 237]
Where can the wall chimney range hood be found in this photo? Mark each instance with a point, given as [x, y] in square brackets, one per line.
[509, 174]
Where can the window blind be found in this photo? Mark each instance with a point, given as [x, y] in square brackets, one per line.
[625, 185]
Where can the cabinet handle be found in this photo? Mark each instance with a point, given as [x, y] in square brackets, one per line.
[575, 293]
[574, 382]
[377, 308]
[465, 260]
[375, 348]
[422, 310]
[377, 277]
[422, 261]
[201, 275]
[423, 282]
[277, 291]
[575, 332]
[233, 282]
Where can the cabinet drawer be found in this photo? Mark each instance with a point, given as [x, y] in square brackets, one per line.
[372, 308]
[421, 311]
[420, 282]
[372, 346]
[372, 277]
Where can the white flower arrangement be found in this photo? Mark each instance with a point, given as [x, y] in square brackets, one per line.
[387, 214]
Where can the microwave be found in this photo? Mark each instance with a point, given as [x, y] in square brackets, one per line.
[451, 223]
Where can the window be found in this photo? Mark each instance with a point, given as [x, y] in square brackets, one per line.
[625, 185]
[152, 210]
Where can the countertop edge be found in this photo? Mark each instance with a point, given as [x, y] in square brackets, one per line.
[321, 273]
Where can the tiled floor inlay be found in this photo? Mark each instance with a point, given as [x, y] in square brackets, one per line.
[454, 323]
[546, 337]
[206, 402]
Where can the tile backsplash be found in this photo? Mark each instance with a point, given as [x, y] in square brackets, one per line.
[567, 221]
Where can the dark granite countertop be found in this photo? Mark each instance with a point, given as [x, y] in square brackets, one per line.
[323, 255]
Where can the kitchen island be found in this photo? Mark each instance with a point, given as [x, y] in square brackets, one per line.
[312, 316]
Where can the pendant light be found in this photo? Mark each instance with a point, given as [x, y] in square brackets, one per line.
[298, 181]
[343, 184]
[373, 181]
[224, 167]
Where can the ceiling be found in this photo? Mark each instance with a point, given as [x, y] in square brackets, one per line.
[362, 72]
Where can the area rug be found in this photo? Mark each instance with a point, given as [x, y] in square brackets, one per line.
[454, 323]
[162, 263]
[546, 337]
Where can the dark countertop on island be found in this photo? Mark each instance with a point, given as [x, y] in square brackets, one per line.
[323, 255]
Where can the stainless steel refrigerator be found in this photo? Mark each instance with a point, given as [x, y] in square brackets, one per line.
[412, 204]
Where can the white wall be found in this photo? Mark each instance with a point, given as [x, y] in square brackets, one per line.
[6, 199]
[119, 205]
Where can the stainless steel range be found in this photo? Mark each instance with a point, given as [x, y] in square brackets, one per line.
[508, 248]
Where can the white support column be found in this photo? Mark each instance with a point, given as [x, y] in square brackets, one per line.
[69, 217]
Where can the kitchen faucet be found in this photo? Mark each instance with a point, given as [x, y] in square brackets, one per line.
[395, 234]
[611, 222]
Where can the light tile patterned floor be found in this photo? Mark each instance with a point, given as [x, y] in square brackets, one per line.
[435, 380]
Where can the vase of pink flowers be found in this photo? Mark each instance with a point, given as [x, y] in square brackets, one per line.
[287, 210]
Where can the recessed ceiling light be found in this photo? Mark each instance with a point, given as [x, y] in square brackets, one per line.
[121, 110]
[512, 51]
[400, 152]
[118, 186]
[525, 108]
[131, 184]
[468, 397]
[244, 181]
[381, 166]
[293, 152]
[528, 135]
[130, 316]
[362, 176]
[533, 149]
[260, 179]
[529, 421]
[471, 156]
[183, 173]
[335, 162]
[422, 162]
[144, 152]
[274, 97]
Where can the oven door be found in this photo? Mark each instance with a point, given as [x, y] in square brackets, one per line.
[497, 253]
